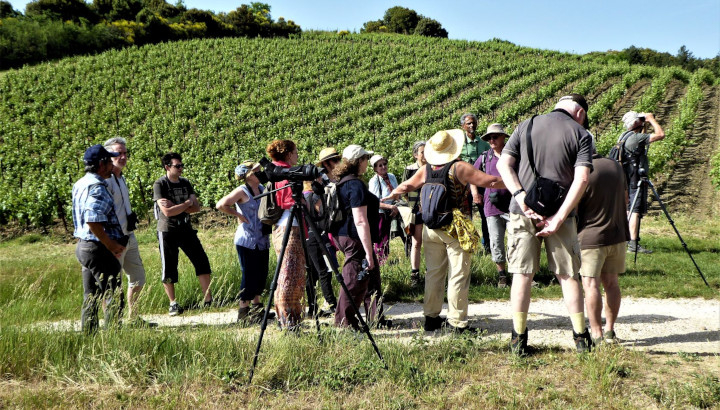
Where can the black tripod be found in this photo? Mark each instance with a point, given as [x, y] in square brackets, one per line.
[299, 213]
[642, 189]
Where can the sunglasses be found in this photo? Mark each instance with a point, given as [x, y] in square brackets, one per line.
[496, 137]
[178, 166]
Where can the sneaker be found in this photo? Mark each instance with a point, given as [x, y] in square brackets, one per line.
[632, 247]
[610, 337]
[415, 280]
[519, 343]
[583, 341]
[139, 323]
[175, 309]
[502, 282]
[434, 323]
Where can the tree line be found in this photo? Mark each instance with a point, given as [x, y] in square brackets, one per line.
[51, 29]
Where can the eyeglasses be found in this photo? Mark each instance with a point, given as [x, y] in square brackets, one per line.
[495, 137]
[178, 166]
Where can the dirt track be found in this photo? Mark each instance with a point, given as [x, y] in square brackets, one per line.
[656, 325]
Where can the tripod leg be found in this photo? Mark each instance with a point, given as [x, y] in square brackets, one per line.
[672, 223]
[326, 256]
[639, 218]
[299, 213]
[273, 286]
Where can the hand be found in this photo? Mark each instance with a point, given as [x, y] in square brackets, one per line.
[371, 262]
[477, 198]
[392, 197]
[648, 116]
[242, 219]
[116, 248]
[549, 226]
[520, 198]
[165, 203]
[393, 210]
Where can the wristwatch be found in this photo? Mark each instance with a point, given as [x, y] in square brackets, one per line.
[517, 192]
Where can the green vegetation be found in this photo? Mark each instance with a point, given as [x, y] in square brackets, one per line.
[402, 20]
[221, 101]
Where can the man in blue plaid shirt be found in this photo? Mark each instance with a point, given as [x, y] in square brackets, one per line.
[101, 240]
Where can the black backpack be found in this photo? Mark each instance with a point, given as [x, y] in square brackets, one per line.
[629, 160]
[436, 213]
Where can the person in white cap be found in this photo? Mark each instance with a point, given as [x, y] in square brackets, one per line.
[635, 144]
[450, 245]
[251, 243]
[361, 271]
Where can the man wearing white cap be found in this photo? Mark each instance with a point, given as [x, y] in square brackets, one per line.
[635, 144]
[557, 147]
[449, 246]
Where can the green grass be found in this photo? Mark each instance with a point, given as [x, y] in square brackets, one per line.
[207, 366]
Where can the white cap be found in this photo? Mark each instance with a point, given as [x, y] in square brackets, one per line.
[375, 158]
[630, 118]
[353, 152]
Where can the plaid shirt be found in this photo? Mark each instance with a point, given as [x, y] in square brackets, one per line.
[92, 202]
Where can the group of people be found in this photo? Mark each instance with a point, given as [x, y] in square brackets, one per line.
[453, 171]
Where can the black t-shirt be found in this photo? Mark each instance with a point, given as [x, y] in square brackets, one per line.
[177, 193]
[354, 194]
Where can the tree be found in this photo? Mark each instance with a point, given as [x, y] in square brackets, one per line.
[6, 10]
[73, 10]
[401, 20]
[686, 58]
[375, 26]
[430, 28]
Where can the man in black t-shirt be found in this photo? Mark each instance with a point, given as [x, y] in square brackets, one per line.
[175, 200]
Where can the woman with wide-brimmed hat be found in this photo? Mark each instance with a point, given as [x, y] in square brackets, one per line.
[448, 248]
[381, 184]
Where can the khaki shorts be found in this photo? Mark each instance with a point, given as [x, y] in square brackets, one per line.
[562, 247]
[605, 259]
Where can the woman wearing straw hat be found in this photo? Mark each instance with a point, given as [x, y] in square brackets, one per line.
[252, 245]
[448, 249]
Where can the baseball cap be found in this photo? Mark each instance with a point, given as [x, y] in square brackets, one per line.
[581, 101]
[353, 152]
[97, 153]
[630, 118]
[242, 170]
[374, 159]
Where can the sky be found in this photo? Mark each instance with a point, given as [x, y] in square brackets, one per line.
[578, 27]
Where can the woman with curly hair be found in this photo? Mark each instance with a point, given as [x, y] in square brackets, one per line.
[355, 239]
[291, 280]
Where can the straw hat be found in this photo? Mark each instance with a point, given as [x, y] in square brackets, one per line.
[493, 129]
[444, 146]
[326, 154]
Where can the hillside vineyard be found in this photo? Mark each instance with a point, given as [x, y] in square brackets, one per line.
[219, 102]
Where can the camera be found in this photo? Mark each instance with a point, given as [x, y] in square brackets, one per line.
[364, 272]
[273, 173]
[132, 220]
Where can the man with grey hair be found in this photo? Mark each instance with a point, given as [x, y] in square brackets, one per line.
[471, 151]
[561, 150]
[130, 259]
[635, 143]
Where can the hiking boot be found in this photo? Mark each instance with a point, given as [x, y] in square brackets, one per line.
[633, 245]
[139, 323]
[207, 303]
[610, 337]
[175, 309]
[258, 310]
[519, 343]
[467, 330]
[434, 323]
[583, 341]
[243, 314]
[384, 324]
[502, 282]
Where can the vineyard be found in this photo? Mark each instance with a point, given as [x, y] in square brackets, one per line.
[218, 102]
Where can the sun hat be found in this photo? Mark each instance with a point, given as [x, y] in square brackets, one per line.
[244, 169]
[494, 129]
[444, 146]
[97, 153]
[327, 153]
[630, 118]
[353, 152]
[375, 158]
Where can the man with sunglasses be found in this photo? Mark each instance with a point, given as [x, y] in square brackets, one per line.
[175, 200]
[101, 240]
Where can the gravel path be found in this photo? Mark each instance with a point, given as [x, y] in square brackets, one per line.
[656, 325]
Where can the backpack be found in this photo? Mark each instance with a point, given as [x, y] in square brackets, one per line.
[485, 159]
[627, 159]
[434, 197]
[334, 214]
[269, 211]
